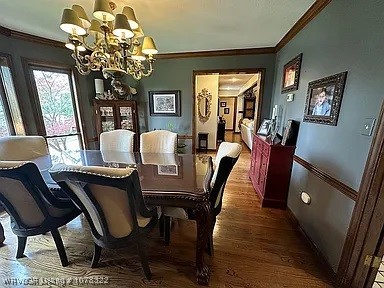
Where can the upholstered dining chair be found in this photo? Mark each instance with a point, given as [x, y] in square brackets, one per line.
[117, 140]
[32, 207]
[225, 160]
[25, 148]
[112, 201]
[158, 141]
[22, 148]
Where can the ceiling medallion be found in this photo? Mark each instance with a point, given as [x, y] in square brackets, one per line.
[114, 44]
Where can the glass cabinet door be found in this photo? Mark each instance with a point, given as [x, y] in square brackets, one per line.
[107, 118]
[126, 118]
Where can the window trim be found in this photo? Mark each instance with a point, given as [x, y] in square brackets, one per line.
[17, 94]
[32, 64]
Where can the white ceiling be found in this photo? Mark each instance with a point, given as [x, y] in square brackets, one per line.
[231, 84]
[176, 25]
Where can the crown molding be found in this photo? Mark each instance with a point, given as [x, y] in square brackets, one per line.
[213, 53]
[311, 13]
[31, 38]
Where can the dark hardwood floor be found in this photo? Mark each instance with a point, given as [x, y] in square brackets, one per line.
[254, 247]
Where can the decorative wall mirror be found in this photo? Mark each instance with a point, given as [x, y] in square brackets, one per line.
[204, 101]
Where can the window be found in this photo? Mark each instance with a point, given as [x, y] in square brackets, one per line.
[57, 118]
[11, 122]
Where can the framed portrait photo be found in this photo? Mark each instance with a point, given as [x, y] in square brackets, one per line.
[265, 127]
[164, 103]
[291, 74]
[226, 110]
[223, 104]
[323, 101]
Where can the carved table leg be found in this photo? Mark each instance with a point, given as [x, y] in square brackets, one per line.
[2, 237]
[203, 221]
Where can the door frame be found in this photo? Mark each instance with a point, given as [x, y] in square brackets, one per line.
[225, 71]
[351, 271]
[28, 66]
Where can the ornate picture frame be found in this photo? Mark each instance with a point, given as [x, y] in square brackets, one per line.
[291, 74]
[265, 127]
[164, 103]
[323, 102]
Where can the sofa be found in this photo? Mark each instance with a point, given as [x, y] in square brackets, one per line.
[246, 130]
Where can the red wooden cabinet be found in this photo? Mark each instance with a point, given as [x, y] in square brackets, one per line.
[270, 171]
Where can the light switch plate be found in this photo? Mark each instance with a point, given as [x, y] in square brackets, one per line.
[367, 126]
[290, 97]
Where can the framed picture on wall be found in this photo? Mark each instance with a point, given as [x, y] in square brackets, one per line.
[291, 74]
[223, 104]
[164, 103]
[323, 101]
[226, 110]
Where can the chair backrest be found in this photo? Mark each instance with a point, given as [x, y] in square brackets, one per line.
[158, 141]
[26, 197]
[117, 140]
[226, 158]
[110, 198]
[21, 148]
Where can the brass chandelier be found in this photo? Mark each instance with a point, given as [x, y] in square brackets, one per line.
[114, 44]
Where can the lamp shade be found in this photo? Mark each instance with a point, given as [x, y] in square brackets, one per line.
[70, 46]
[128, 11]
[149, 46]
[138, 32]
[82, 15]
[71, 23]
[138, 55]
[103, 11]
[95, 27]
[122, 28]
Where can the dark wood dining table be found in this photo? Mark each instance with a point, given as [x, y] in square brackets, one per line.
[177, 180]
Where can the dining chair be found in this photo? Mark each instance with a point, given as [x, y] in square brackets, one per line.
[22, 148]
[117, 140]
[33, 209]
[158, 141]
[113, 204]
[25, 148]
[225, 160]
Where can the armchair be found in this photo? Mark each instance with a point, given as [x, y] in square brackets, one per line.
[32, 207]
[112, 201]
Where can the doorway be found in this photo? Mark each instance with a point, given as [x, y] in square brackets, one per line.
[224, 87]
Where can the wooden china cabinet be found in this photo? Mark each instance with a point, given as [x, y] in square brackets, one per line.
[116, 114]
[270, 171]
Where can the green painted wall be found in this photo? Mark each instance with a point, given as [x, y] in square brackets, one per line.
[177, 74]
[346, 36]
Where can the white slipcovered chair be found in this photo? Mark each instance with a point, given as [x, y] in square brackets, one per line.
[112, 201]
[225, 159]
[21, 148]
[117, 140]
[158, 141]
